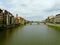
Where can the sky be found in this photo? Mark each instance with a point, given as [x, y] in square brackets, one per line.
[33, 10]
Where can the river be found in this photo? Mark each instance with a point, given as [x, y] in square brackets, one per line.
[35, 34]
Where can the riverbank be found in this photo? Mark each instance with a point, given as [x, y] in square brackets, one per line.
[11, 26]
[57, 26]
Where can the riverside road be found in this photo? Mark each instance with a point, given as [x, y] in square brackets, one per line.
[35, 34]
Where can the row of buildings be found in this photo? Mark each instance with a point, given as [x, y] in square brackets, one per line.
[7, 19]
[53, 19]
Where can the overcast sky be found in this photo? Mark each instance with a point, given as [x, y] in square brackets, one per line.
[32, 9]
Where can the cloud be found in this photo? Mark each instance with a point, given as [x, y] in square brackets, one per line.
[2, 6]
[35, 9]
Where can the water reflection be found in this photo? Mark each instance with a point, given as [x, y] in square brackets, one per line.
[30, 35]
[5, 34]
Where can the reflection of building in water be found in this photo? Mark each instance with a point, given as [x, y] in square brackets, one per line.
[5, 35]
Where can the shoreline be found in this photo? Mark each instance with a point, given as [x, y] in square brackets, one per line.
[11, 27]
[57, 26]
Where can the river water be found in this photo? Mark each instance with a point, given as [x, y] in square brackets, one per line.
[35, 34]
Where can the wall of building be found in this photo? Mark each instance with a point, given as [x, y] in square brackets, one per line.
[55, 19]
[7, 19]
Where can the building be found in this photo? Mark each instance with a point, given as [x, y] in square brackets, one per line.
[6, 18]
[1, 18]
[17, 20]
[50, 19]
[57, 19]
[22, 20]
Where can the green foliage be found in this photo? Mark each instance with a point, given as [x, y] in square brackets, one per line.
[54, 26]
